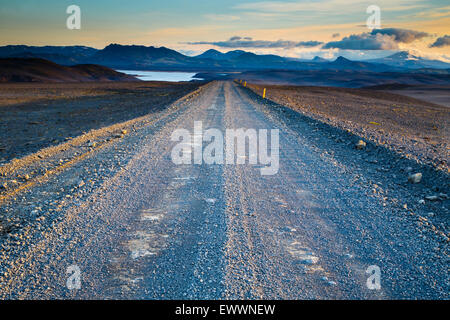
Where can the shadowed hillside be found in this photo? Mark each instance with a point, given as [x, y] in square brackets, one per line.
[40, 70]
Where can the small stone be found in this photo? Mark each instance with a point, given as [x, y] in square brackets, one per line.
[415, 178]
[288, 229]
[430, 214]
[124, 131]
[432, 198]
[443, 196]
[421, 201]
[360, 145]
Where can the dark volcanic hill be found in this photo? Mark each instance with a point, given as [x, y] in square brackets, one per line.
[335, 78]
[319, 59]
[217, 55]
[40, 70]
[125, 57]
[66, 55]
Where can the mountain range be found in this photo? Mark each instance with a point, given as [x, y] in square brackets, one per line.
[135, 57]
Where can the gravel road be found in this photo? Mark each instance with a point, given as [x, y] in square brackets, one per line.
[139, 226]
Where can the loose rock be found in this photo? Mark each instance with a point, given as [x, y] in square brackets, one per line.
[360, 145]
[415, 178]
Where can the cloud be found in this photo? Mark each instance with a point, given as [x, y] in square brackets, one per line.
[364, 41]
[441, 42]
[327, 6]
[401, 35]
[237, 38]
[377, 39]
[247, 42]
[336, 35]
[221, 17]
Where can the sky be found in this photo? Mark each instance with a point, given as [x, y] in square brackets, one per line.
[301, 29]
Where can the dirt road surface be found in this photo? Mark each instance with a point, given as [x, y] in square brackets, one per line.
[137, 225]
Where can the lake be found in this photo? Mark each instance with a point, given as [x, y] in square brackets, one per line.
[161, 75]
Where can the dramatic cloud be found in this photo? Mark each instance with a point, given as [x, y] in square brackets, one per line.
[441, 42]
[247, 42]
[365, 41]
[377, 39]
[401, 35]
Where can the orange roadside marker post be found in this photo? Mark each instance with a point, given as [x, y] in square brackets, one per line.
[264, 93]
[245, 83]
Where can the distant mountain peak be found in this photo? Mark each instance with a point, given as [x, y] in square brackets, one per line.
[319, 59]
[212, 51]
[211, 54]
[341, 59]
[405, 55]
[409, 60]
[217, 55]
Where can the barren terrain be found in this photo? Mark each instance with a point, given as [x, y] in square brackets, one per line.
[38, 115]
[412, 127]
[434, 94]
[139, 226]
[41, 70]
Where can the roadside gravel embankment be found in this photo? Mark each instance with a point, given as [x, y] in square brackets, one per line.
[37, 116]
[413, 128]
[46, 146]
